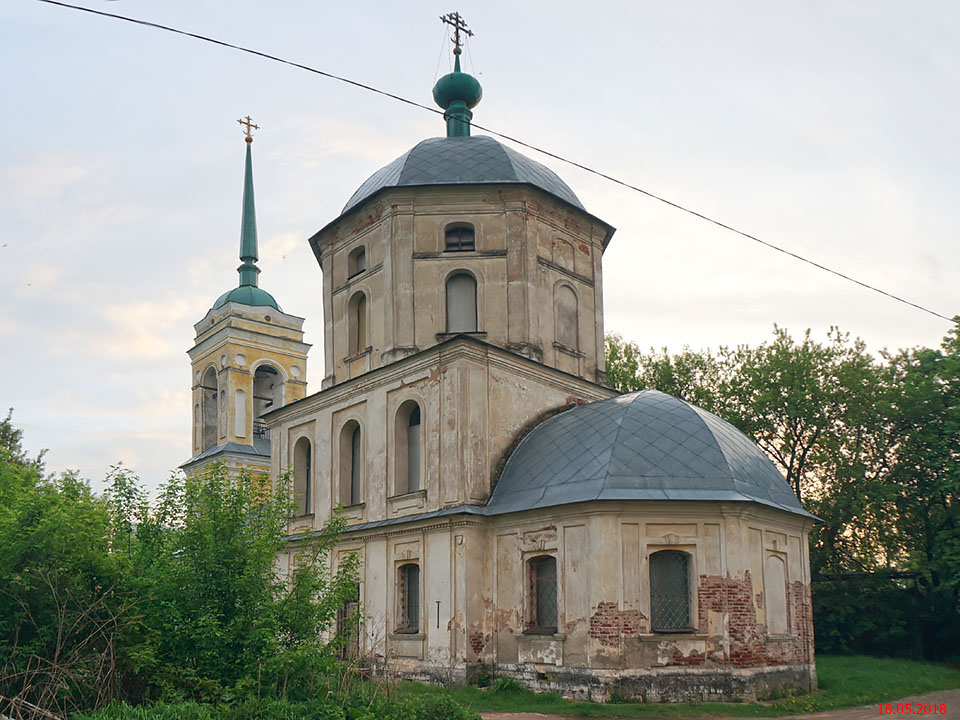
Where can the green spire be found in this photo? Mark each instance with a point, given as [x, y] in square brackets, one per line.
[457, 92]
[248, 226]
[247, 293]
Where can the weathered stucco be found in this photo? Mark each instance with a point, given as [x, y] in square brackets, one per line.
[477, 394]
[234, 340]
[527, 244]
[475, 601]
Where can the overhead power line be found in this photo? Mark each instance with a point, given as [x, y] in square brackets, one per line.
[512, 139]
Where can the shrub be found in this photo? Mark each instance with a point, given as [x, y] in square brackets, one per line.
[506, 684]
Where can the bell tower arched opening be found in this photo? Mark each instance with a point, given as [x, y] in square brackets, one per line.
[267, 394]
[208, 413]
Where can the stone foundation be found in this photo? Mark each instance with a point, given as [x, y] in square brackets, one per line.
[712, 684]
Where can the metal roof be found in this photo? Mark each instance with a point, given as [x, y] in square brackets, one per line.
[642, 446]
[470, 160]
[261, 447]
[247, 295]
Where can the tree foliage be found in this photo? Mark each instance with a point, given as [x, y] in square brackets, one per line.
[869, 443]
[111, 597]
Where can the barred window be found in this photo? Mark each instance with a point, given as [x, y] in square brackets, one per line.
[543, 594]
[348, 624]
[408, 610]
[459, 238]
[670, 600]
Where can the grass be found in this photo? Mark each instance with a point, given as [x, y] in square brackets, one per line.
[847, 681]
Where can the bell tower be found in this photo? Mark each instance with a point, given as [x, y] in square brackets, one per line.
[248, 358]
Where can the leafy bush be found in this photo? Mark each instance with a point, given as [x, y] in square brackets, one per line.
[875, 615]
[63, 606]
[433, 707]
[113, 598]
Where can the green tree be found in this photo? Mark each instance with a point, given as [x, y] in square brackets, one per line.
[221, 616]
[111, 597]
[793, 398]
[690, 375]
[922, 488]
[60, 613]
[872, 446]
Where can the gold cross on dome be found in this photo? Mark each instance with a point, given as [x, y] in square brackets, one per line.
[459, 25]
[249, 126]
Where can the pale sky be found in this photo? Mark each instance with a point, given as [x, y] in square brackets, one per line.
[830, 128]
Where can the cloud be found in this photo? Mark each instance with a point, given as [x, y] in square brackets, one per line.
[43, 179]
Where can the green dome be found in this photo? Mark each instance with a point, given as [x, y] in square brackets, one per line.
[457, 86]
[247, 295]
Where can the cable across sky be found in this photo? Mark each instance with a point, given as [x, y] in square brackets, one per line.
[515, 140]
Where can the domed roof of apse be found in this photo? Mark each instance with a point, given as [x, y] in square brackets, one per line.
[642, 446]
[469, 160]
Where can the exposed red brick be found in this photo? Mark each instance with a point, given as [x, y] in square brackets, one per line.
[694, 658]
[608, 624]
[478, 641]
[749, 644]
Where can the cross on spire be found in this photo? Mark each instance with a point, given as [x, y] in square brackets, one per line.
[249, 126]
[459, 25]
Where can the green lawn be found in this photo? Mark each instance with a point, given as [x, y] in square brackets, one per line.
[844, 682]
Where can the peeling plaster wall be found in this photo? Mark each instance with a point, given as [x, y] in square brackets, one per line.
[473, 397]
[604, 642]
[477, 395]
[526, 244]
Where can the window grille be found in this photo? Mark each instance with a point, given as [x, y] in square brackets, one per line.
[670, 591]
[460, 238]
[348, 624]
[261, 429]
[409, 605]
[543, 594]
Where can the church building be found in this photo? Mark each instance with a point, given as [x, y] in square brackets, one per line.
[513, 513]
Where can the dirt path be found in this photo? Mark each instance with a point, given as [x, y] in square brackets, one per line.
[950, 698]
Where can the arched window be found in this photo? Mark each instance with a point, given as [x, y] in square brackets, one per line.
[267, 390]
[566, 317]
[357, 261]
[543, 594]
[461, 303]
[209, 388]
[351, 464]
[407, 434]
[408, 598]
[775, 590]
[357, 321]
[459, 237]
[302, 476]
[670, 598]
